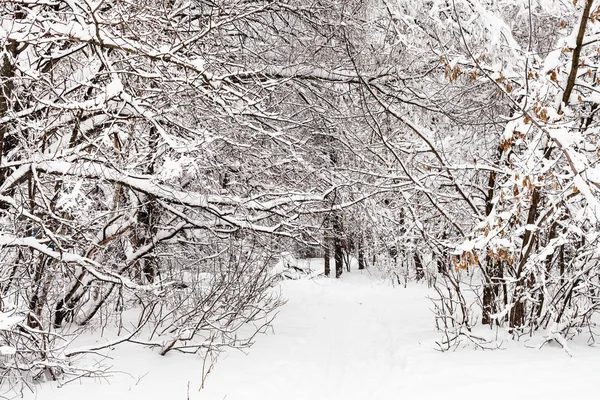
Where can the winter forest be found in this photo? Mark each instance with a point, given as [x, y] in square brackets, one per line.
[370, 191]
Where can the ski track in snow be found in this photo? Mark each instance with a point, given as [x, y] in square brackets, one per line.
[353, 338]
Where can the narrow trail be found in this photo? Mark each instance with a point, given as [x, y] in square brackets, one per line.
[346, 339]
[360, 338]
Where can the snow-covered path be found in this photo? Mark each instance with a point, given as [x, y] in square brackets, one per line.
[360, 338]
[353, 338]
[333, 339]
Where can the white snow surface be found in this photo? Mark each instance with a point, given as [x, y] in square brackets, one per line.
[353, 338]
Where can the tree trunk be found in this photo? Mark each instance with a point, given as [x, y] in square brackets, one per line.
[339, 257]
[337, 246]
[361, 255]
[327, 258]
[490, 286]
[491, 291]
[6, 73]
[148, 217]
[419, 271]
[517, 312]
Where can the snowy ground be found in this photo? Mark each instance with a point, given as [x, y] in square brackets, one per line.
[354, 338]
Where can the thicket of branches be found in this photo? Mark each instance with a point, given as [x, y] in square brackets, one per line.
[156, 155]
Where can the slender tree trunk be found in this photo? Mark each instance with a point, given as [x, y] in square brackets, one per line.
[327, 257]
[6, 74]
[148, 218]
[337, 245]
[339, 257]
[517, 312]
[38, 296]
[361, 254]
[348, 246]
[491, 290]
[493, 267]
[419, 271]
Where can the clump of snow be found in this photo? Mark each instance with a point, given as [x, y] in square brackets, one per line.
[565, 137]
[175, 168]
[552, 60]
[71, 200]
[466, 246]
[114, 88]
[198, 63]
[289, 260]
[9, 319]
[287, 267]
[8, 350]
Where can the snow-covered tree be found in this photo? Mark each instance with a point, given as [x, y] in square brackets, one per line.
[146, 148]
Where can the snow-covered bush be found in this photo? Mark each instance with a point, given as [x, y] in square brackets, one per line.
[288, 267]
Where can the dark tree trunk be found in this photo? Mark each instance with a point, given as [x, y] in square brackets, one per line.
[39, 294]
[337, 245]
[491, 291]
[517, 312]
[420, 273]
[492, 276]
[6, 88]
[349, 246]
[327, 259]
[339, 257]
[361, 255]
[441, 267]
[148, 218]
